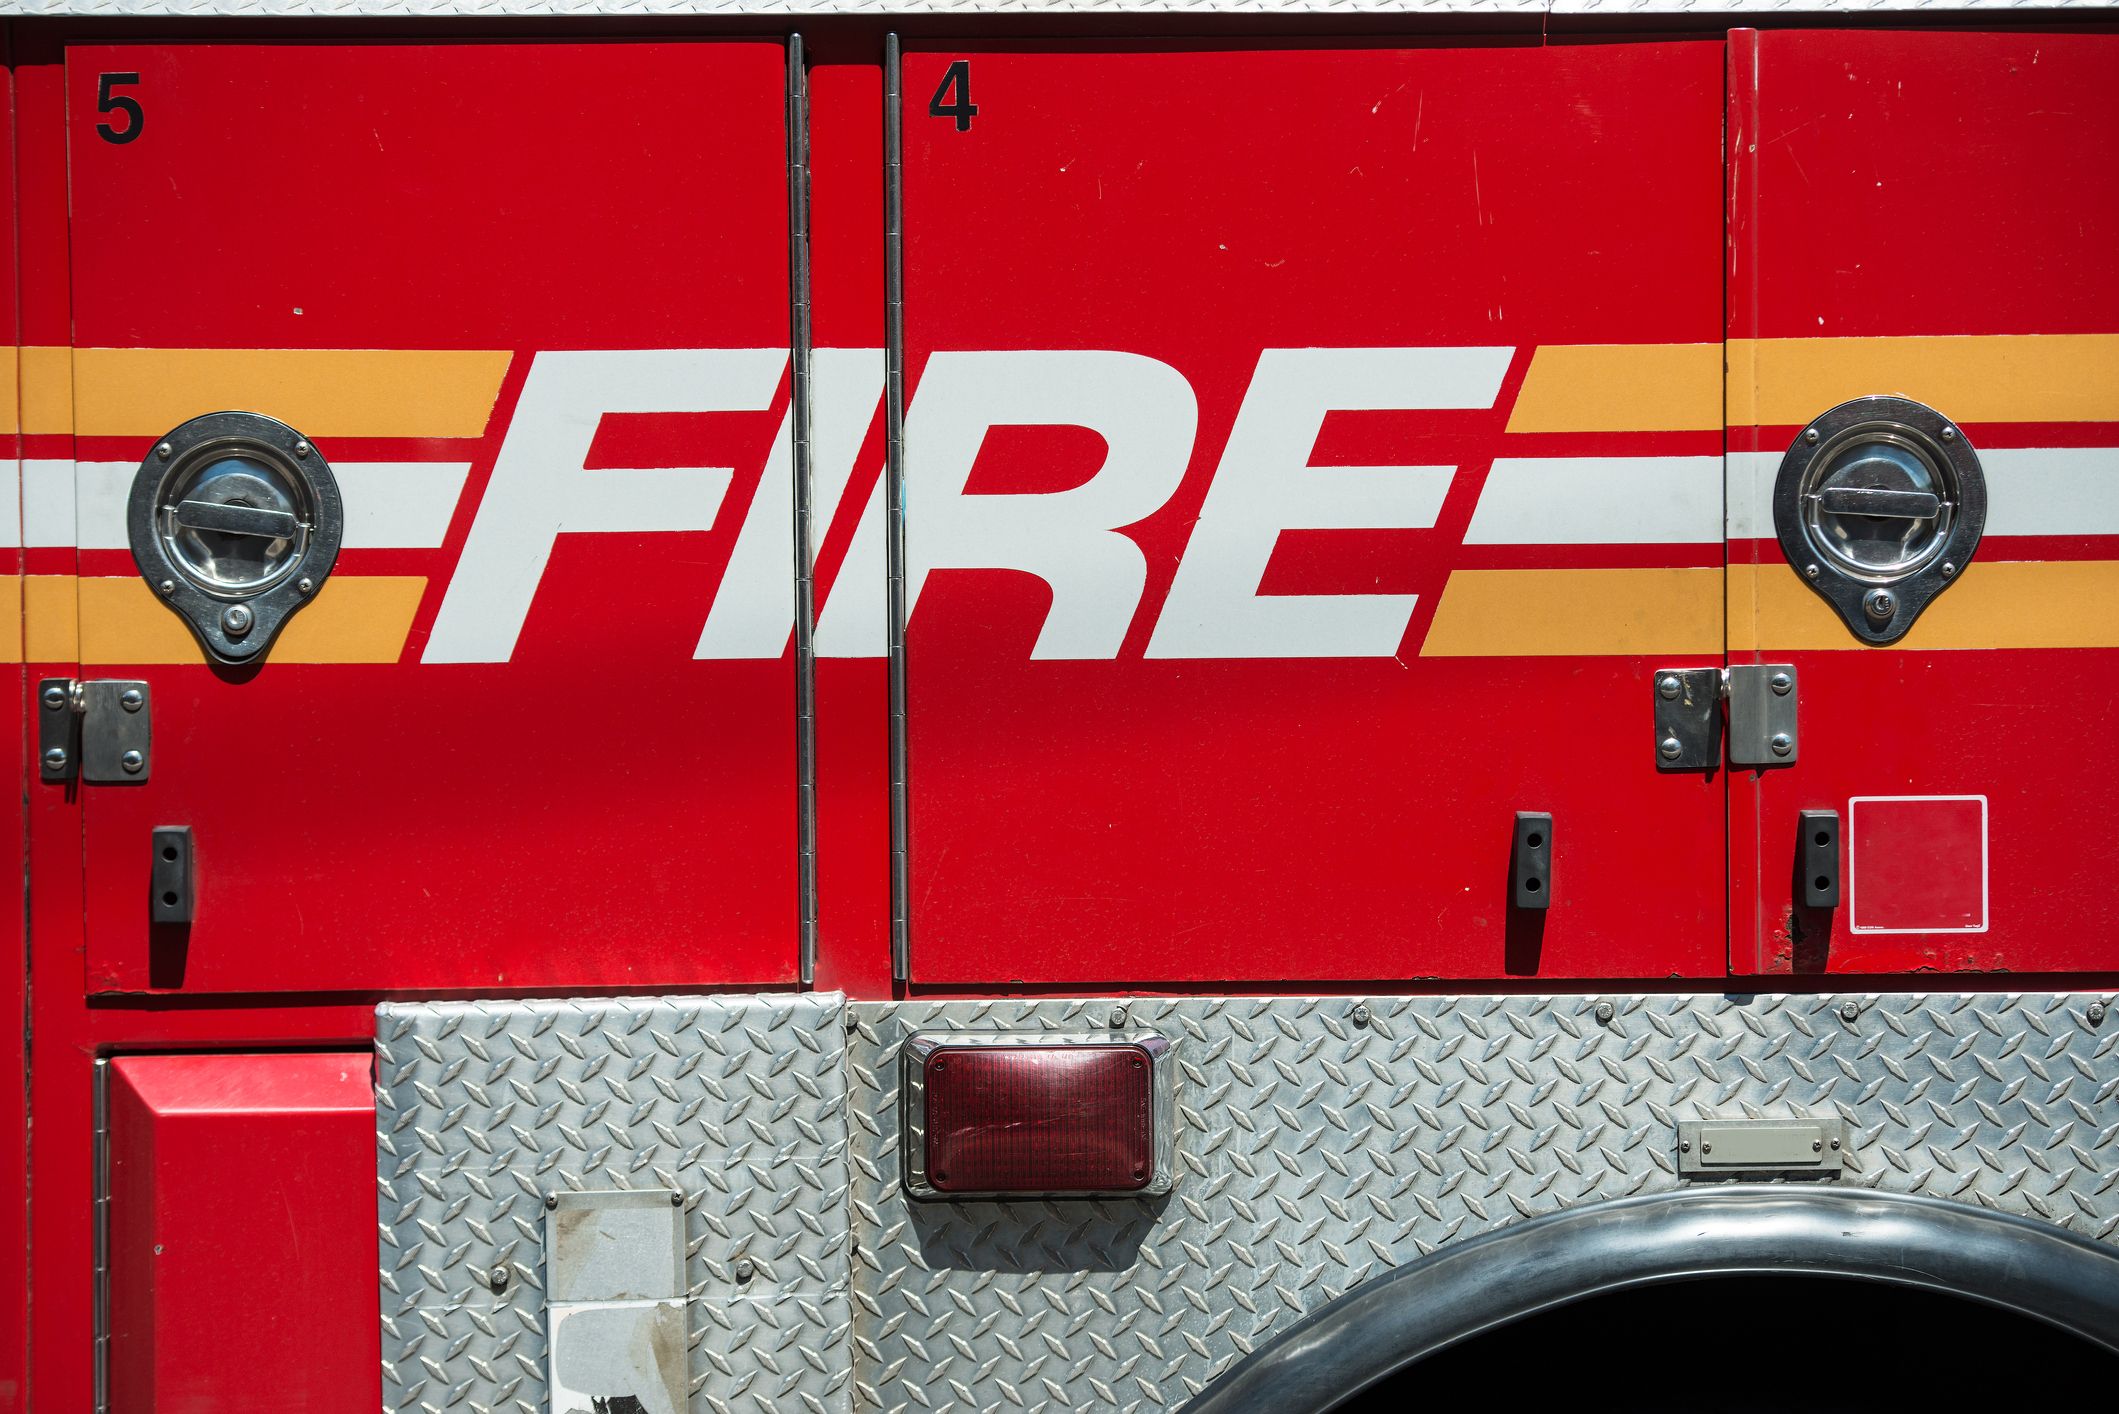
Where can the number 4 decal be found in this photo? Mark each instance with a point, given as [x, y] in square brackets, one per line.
[958, 78]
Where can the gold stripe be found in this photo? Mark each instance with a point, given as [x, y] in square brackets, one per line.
[10, 415]
[47, 383]
[1983, 378]
[324, 392]
[11, 612]
[355, 619]
[1997, 604]
[1551, 613]
[1621, 388]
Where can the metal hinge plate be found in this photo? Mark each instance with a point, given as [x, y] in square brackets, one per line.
[1688, 716]
[101, 731]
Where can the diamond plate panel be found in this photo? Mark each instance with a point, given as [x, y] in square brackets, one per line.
[482, 1108]
[1316, 1152]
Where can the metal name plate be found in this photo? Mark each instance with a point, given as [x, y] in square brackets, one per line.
[1722, 1147]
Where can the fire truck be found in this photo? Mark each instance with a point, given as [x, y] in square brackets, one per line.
[956, 709]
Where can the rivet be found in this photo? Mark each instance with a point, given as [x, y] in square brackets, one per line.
[165, 451]
[55, 759]
[131, 699]
[1605, 1012]
[1669, 748]
[1668, 686]
[1361, 1013]
[55, 697]
[1850, 1011]
[1782, 743]
[1781, 684]
[133, 762]
[1810, 436]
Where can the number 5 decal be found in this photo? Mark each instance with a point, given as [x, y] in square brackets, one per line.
[959, 78]
[108, 102]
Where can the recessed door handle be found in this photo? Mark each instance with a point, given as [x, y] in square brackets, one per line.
[237, 520]
[1875, 501]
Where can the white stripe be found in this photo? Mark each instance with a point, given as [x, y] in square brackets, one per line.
[10, 502]
[2030, 491]
[389, 505]
[1599, 501]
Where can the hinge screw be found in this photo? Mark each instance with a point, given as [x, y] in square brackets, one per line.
[1605, 1012]
[1782, 743]
[55, 759]
[1850, 1011]
[2096, 1013]
[133, 762]
[1361, 1013]
[1781, 684]
[131, 699]
[1668, 687]
[55, 697]
[1669, 748]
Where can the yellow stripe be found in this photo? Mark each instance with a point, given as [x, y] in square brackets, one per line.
[1548, 613]
[47, 383]
[1997, 604]
[1621, 388]
[355, 619]
[1997, 378]
[323, 392]
[11, 370]
[11, 612]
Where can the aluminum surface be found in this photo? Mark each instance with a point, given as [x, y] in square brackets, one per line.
[485, 1108]
[1317, 1154]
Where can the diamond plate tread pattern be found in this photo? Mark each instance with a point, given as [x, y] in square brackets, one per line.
[738, 1102]
[1316, 1153]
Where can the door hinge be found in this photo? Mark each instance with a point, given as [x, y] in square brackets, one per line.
[1688, 716]
[99, 731]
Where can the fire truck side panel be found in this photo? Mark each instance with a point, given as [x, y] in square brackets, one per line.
[486, 756]
[1934, 215]
[1311, 454]
[14, 962]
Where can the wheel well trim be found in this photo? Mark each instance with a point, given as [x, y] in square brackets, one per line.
[1465, 1289]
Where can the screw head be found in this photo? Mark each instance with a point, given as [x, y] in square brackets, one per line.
[1669, 747]
[1948, 569]
[1782, 743]
[55, 697]
[2096, 1013]
[499, 1278]
[1810, 436]
[133, 762]
[236, 619]
[1879, 604]
[165, 451]
[1849, 1011]
[1835, 1143]
[1361, 1013]
[1781, 684]
[1705, 1147]
[1668, 687]
[55, 759]
[1605, 1012]
[301, 449]
[1116, 1020]
[1817, 1146]
[744, 1269]
[132, 700]
[551, 1200]
[676, 1200]
[305, 585]
[1684, 1146]
[1948, 434]
[167, 586]
[1810, 571]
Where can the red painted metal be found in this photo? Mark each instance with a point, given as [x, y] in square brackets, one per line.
[14, 960]
[602, 810]
[1215, 821]
[1934, 183]
[242, 1236]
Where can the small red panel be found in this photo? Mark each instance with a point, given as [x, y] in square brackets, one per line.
[1917, 863]
[242, 1234]
[1039, 1119]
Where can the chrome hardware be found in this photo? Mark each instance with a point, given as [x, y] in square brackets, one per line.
[235, 519]
[101, 731]
[1762, 716]
[1880, 502]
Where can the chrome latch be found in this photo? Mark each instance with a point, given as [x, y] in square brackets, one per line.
[100, 731]
[1762, 716]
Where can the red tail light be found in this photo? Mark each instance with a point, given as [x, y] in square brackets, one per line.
[1000, 1115]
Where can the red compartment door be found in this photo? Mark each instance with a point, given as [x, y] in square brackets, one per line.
[1933, 215]
[1311, 452]
[531, 302]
